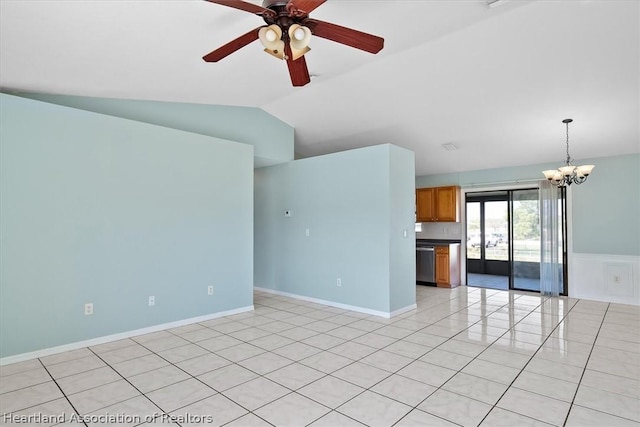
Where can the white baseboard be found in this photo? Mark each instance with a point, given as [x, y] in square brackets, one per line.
[115, 337]
[384, 314]
[608, 278]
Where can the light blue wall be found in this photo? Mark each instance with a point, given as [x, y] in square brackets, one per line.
[272, 138]
[402, 268]
[110, 211]
[605, 209]
[345, 200]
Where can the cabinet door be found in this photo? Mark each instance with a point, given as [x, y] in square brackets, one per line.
[447, 206]
[442, 267]
[425, 209]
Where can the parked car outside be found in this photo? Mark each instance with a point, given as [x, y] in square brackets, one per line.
[490, 240]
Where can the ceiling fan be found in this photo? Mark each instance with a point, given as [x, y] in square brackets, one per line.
[288, 32]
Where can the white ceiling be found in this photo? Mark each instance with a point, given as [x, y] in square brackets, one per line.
[495, 81]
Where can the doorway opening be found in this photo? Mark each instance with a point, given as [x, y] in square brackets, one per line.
[503, 239]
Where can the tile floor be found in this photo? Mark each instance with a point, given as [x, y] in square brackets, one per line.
[466, 356]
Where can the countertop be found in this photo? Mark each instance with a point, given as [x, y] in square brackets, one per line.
[437, 242]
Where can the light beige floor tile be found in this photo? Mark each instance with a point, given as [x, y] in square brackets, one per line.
[475, 388]
[295, 376]
[185, 352]
[130, 412]
[249, 420]
[418, 418]
[158, 378]
[326, 362]
[125, 353]
[446, 359]
[200, 335]
[297, 351]
[346, 332]
[374, 340]
[499, 417]
[387, 361]
[535, 406]
[323, 341]
[584, 417]
[24, 379]
[66, 356]
[266, 362]
[16, 368]
[335, 419]
[404, 389]
[271, 342]
[227, 377]
[181, 394]
[256, 393]
[408, 349]
[46, 414]
[555, 370]
[299, 334]
[612, 383]
[87, 380]
[352, 350]
[165, 343]
[219, 343]
[292, 410]
[240, 352]
[139, 365]
[463, 348]
[608, 402]
[546, 386]
[361, 374]
[28, 397]
[213, 411]
[75, 366]
[330, 391]
[373, 409]
[89, 401]
[455, 408]
[427, 373]
[627, 370]
[203, 364]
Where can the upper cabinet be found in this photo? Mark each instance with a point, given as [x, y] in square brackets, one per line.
[438, 204]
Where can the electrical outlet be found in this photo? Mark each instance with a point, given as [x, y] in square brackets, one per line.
[307, 232]
[210, 290]
[616, 279]
[88, 309]
[339, 282]
[152, 301]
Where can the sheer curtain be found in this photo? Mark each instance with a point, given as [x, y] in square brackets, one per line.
[550, 241]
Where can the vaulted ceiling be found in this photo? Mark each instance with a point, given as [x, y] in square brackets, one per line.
[494, 81]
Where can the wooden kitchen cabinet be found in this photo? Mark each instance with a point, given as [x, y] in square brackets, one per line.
[448, 266]
[438, 204]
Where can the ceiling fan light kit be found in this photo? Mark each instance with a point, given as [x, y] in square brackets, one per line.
[568, 174]
[288, 33]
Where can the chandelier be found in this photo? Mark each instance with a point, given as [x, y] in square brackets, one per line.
[568, 174]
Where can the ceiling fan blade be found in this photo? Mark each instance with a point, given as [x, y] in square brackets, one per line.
[297, 69]
[305, 6]
[242, 5]
[232, 46]
[344, 35]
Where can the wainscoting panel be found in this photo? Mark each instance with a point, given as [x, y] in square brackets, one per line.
[611, 278]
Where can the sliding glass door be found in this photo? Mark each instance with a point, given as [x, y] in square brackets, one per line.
[503, 239]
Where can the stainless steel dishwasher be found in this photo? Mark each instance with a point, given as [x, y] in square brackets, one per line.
[425, 263]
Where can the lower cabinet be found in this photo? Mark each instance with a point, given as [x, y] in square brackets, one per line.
[448, 266]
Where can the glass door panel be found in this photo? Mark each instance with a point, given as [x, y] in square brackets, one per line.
[473, 230]
[525, 241]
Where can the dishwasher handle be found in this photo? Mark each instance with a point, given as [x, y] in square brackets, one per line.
[425, 249]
